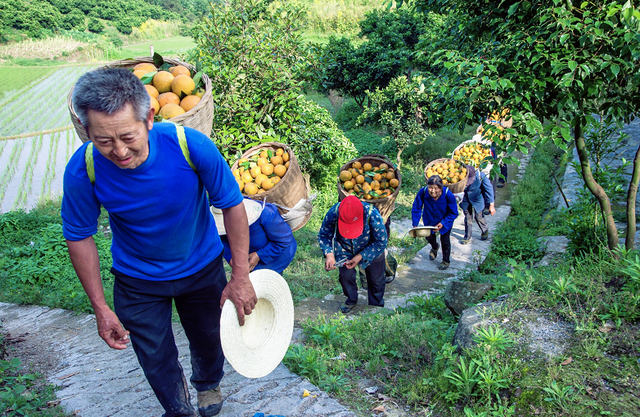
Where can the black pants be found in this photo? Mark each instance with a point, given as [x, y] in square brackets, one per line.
[469, 215]
[445, 240]
[376, 282]
[144, 308]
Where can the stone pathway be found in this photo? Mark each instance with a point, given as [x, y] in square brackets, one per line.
[97, 381]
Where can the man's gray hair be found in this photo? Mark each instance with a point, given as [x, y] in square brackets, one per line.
[108, 90]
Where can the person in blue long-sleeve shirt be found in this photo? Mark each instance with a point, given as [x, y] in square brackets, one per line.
[353, 233]
[477, 193]
[271, 242]
[437, 206]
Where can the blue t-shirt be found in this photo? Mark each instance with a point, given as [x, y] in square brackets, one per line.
[159, 212]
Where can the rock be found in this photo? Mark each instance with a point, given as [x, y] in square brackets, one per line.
[555, 248]
[538, 334]
[460, 294]
[365, 384]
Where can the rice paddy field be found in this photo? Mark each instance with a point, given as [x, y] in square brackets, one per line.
[36, 135]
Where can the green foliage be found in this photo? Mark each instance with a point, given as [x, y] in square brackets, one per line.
[347, 117]
[402, 109]
[96, 26]
[257, 63]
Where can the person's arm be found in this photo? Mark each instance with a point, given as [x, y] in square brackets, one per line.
[239, 288]
[85, 260]
[325, 239]
[278, 232]
[416, 210]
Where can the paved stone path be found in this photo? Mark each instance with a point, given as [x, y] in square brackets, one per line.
[97, 381]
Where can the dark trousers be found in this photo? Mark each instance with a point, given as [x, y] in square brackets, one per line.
[445, 240]
[144, 308]
[498, 179]
[469, 215]
[376, 282]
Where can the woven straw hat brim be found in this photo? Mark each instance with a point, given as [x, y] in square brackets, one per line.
[253, 209]
[256, 349]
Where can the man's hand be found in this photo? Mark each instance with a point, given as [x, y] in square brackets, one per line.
[353, 262]
[330, 262]
[242, 295]
[110, 329]
[492, 208]
[253, 260]
[439, 226]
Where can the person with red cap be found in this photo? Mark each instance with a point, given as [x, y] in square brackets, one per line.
[353, 234]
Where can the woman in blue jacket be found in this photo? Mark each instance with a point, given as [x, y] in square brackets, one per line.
[477, 193]
[271, 242]
[437, 206]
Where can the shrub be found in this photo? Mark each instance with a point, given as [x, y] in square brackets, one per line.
[95, 26]
[368, 142]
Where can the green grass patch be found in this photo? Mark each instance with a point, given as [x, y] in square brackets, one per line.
[12, 79]
[166, 47]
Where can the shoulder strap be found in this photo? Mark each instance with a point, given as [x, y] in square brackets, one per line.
[88, 159]
[182, 140]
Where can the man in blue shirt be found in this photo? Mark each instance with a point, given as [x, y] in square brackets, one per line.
[165, 247]
[437, 206]
[353, 233]
[477, 193]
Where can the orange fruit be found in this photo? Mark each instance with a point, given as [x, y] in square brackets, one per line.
[250, 188]
[199, 93]
[394, 183]
[255, 171]
[345, 176]
[189, 102]
[267, 184]
[356, 164]
[286, 164]
[146, 67]
[166, 98]
[367, 167]
[240, 183]
[139, 73]
[277, 160]
[267, 169]
[280, 170]
[377, 177]
[264, 154]
[285, 158]
[390, 175]
[155, 105]
[259, 179]
[182, 84]
[348, 185]
[383, 166]
[279, 152]
[360, 179]
[162, 81]
[170, 110]
[246, 177]
[180, 70]
[261, 161]
[153, 92]
[276, 180]
[375, 185]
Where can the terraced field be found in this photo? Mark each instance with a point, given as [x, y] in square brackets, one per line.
[36, 135]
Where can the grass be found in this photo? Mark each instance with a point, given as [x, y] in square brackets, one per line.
[173, 46]
[12, 79]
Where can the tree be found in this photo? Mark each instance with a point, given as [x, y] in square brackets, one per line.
[553, 63]
[95, 26]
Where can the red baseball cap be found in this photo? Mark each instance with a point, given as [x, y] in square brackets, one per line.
[350, 221]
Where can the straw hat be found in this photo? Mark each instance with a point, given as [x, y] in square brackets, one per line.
[256, 349]
[421, 231]
[253, 209]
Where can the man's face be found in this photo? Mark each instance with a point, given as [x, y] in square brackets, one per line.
[119, 137]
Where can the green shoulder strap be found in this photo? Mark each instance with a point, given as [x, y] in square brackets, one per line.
[182, 140]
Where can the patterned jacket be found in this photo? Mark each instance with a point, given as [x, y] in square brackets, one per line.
[370, 244]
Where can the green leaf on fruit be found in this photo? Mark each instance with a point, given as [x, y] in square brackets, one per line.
[148, 77]
[158, 61]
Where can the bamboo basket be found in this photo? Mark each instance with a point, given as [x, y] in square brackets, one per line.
[292, 188]
[384, 205]
[199, 117]
[456, 188]
[484, 142]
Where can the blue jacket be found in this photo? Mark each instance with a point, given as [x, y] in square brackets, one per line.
[478, 191]
[158, 212]
[271, 238]
[370, 244]
[443, 210]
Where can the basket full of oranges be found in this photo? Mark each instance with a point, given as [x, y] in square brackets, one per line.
[454, 173]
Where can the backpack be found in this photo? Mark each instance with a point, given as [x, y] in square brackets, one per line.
[182, 140]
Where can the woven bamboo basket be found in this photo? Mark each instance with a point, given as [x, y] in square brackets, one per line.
[384, 205]
[484, 142]
[292, 188]
[199, 117]
[456, 188]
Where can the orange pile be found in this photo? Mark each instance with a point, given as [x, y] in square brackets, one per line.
[451, 171]
[473, 153]
[368, 182]
[261, 171]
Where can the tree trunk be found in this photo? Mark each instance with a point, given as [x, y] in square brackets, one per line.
[398, 157]
[596, 189]
[629, 241]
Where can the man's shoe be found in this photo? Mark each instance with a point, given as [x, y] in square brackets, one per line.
[346, 308]
[484, 236]
[500, 184]
[434, 252]
[486, 212]
[443, 265]
[465, 241]
[210, 402]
